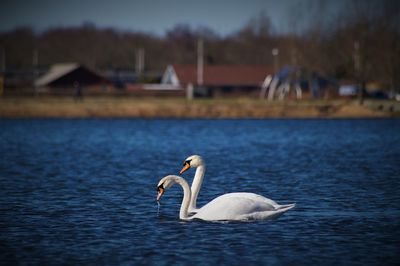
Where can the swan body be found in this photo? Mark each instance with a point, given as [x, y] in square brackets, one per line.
[238, 206]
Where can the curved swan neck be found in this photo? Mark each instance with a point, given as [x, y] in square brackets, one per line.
[196, 185]
[183, 213]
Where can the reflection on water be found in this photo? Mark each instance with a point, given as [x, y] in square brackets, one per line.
[83, 191]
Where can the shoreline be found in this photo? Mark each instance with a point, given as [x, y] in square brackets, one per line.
[129, 107]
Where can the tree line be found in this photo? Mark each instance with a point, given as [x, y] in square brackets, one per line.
[361, 41]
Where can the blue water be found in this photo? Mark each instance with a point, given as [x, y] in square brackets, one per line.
[83, 191]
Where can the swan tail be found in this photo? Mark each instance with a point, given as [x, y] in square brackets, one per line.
[264, 215]
[286, 207]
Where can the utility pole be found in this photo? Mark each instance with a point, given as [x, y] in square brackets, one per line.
[293, 55]
[200, 62]
[275, 54]
[140, 57]
[35, 63]
[357, 71]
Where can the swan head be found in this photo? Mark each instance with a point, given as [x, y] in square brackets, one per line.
[165, 183]
[192, 161]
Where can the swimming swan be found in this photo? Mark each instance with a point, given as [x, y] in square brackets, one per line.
[228, 207]
[195, 161]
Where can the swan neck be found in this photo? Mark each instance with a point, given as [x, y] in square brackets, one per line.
[196, 185]
[183, 213]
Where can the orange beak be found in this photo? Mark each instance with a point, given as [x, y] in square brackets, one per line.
[185, 167]
[160, 193]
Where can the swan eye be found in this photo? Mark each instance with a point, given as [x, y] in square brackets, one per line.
[160, 187]
[187, 162]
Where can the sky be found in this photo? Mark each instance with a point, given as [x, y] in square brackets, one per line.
[152, 16]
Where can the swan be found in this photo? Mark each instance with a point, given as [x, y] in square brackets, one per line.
[238, 206]
[195, 161]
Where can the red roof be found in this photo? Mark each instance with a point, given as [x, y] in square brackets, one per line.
[217, 75]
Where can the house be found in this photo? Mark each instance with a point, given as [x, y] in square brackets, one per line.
[218, 80]
[65, 78]
[294, 82]
[154, 90]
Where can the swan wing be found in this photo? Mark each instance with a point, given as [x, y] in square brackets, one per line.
[237, 206]
[254, 197]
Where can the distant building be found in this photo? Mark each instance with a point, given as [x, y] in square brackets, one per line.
[218, 80]
[65, 78]
[295, 83]
[155, 90]
[349, 90]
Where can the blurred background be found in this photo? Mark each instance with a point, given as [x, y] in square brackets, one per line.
[268, 49]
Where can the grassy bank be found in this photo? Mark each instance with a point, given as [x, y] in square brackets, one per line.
[64, 107]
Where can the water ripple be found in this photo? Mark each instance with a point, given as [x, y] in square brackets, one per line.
[83, 191]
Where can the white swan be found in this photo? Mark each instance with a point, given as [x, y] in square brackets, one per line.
[228, 207]
[195, 161]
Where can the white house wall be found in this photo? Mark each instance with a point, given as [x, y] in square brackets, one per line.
[170, 77]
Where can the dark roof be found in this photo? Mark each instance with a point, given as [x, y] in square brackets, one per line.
[220, 75]
[66, 74]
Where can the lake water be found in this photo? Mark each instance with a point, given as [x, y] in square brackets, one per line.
[83, 191]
